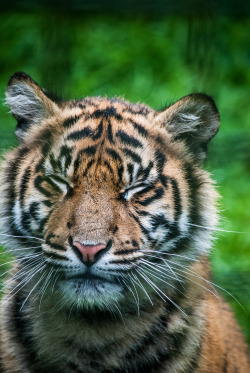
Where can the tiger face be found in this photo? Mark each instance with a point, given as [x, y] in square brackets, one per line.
[105, 202]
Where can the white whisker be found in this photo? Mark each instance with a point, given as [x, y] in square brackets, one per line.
[24, 237]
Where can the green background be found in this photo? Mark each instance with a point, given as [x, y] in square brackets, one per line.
[154, 57]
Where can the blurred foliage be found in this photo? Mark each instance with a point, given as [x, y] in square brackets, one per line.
[155, 59]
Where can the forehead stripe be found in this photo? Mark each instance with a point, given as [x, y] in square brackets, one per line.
[114, 155]
[128, 140]
[78, 135]
[110, 134]
[106, 113]
[98, 131]
[135, 157]
[90, 150]
[71, 121]
[140, 129]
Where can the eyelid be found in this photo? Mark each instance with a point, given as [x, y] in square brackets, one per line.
[130, 191]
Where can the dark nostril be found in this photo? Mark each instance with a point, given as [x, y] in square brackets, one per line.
[90, 254]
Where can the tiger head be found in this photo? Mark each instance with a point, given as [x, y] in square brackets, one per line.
[105, 200]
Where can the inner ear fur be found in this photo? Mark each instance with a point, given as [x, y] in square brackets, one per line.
[193, 119]
[27, 102]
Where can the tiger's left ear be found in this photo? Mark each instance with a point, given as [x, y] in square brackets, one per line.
[193, 119]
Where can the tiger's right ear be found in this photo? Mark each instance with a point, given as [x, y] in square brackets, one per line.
[27, 102]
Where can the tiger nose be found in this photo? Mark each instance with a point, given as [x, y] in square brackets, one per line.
[90, 253]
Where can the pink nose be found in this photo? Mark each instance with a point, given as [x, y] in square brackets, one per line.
[89, 251]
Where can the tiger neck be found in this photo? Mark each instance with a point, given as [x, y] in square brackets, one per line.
[133, 342]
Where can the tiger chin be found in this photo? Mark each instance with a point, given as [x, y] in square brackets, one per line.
[110, 218]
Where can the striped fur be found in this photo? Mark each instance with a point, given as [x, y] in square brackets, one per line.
[104, 171]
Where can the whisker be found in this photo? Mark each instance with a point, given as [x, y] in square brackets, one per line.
[158, 290]
[156, 268]
[23, 283]
[213, 229]
[31, 291]
[136, 298]
[24, 248]
[24, 237]
[44, 287]
[136, 280]
[157, 252]
[150, 272]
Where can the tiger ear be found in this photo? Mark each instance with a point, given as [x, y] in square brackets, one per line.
[193, 119]
[27, 102]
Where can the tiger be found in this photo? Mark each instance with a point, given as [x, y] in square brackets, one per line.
[110, 218]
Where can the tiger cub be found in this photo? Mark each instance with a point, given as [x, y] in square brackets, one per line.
[110, 217]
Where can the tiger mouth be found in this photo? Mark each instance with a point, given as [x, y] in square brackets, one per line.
[87, 276]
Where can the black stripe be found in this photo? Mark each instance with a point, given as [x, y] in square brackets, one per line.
[145, 190]
[128, 140]
[98, 131]
[159, 221]
[160, 160]
[90, 151]
[34, 210]
[157, 195]
[110, 133]
[195, 184]
[66, 152]
[135, 157]
[24, 181]
[120, 172]
[12, 172]
[144, 230]
[26, 220]
[76, 165]
[106, 163]
[125, 252]
[141, 110]
[45, 150]
[144, 172]
[124, 261]
[38, 184]
[47, 203]
[142, 213]
[114, 155]
[78, 135]
[177, 199]
[69, 122]
[39, 180]
[130, 169]
[43, 222]
[106, 113]
[48, 143]
[55, 164]
[53, 244]
[164, 180]
[140, 129]
[54, 256]
[90, 163]
[22, 329]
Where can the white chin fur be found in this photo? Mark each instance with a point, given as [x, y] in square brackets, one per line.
[89, 293]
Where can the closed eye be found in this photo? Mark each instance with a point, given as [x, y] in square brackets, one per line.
[129, 192]
[61, 183]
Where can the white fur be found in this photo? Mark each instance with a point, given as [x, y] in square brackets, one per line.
[24, 102]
